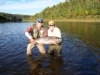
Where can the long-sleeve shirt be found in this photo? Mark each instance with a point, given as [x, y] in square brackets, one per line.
[29, 31]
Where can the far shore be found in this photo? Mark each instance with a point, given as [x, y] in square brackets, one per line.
[70, 20]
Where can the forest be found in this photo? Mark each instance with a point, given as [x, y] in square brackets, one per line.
[72, 9]
[5, 17]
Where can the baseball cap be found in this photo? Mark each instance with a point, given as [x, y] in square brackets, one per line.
[51, 23]
[40, 20]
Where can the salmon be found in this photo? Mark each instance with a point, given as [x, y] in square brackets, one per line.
[48, 40]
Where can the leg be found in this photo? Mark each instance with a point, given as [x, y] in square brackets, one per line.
[57, 48]
[51, 49]
[29, 48]
[41, 48]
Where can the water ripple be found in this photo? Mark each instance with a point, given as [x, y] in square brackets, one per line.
[77, 57]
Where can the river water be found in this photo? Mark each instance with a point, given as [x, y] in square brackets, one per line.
[80, 51]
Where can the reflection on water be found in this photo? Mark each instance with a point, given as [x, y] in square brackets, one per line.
[37, 65]
[80, 51]
[86, 31]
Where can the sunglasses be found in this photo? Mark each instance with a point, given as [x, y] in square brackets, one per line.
[40, 22]
[51, 25]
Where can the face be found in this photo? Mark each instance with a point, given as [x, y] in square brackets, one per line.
[39, 24]
[51, 27]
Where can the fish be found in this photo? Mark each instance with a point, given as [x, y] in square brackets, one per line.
[48, 40]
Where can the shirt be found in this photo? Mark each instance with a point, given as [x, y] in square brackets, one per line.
[30, 30]
[56, 32]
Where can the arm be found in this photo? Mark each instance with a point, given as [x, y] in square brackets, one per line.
[27, 33]
[58, 33]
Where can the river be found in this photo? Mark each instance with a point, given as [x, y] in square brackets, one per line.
[80, 51]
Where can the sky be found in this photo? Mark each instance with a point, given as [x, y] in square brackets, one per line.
[26, 7]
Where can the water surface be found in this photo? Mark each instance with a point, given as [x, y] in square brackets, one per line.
[80, 52]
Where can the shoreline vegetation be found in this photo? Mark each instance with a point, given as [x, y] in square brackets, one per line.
[6, 17]
[72, 10]
[69, 20]
[69, 11]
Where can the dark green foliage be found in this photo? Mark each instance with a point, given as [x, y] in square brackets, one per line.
[71, 9]
[5, 17]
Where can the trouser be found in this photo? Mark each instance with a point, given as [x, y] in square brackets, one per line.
[30, 46]
[55, 48]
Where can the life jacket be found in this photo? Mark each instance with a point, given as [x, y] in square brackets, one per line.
[38, 34]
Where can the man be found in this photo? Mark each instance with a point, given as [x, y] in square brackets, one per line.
[33, 32]
[54, 31]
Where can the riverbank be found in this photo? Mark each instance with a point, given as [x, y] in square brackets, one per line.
[70, 20]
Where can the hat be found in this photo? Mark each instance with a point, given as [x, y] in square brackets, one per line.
[40, 20]
[51, 22]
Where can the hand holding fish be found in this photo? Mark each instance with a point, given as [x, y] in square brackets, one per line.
[32, 41]
[54, 42]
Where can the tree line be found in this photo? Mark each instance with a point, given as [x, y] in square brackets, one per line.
[5, 17]
[77, 9]
[70, 9]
